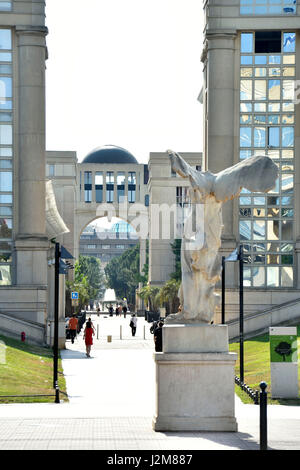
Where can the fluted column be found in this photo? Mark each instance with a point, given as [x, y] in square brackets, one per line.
[31, 242]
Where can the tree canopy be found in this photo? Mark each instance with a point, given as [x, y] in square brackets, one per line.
[123, 274]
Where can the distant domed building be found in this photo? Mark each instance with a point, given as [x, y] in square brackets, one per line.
[110, 154]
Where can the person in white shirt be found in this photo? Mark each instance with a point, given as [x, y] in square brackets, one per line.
[133, 323]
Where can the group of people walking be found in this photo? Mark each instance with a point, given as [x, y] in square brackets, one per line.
[119, 309]
[89, 330]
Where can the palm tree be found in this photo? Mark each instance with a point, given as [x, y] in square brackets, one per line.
[169, 293]
[150, 296]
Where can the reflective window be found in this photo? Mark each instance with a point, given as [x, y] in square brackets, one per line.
[121, 186]
[131, 186]
[246, 42]
[5, 38]
[99, 186]
[268, 7]
[5, 5]
[87, 186]
[110, 186]
[289, 42]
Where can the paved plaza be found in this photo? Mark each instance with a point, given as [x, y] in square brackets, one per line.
[112, 402]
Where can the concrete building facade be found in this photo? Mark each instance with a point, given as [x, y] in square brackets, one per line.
[251, 58]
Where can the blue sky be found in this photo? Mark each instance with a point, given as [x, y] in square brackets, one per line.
[124, 72]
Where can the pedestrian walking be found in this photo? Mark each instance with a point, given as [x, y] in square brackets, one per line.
[132, 324]
[158, 337]
[111, 310]
[89, 332]
[73, 325]
[124, 310]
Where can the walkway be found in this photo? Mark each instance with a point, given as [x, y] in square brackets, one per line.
[112, 402]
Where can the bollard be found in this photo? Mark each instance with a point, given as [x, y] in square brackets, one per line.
[97, 331]
[144, 331]
[263, 402]
[56, 393]
[121, 332]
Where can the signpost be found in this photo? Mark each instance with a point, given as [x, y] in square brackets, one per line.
[284, 362]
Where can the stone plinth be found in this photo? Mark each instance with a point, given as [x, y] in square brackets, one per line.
[195, 390]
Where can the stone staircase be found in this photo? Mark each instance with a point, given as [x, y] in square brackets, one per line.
[13, 327]
[287, 313]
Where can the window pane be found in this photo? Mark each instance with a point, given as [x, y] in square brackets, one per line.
[245, 137]
[259, 136]
[5, 275]
[273, 276]
[260, 89]
[287, 277]
[246, 90]
[5, 39]
[287, 137]
[273, 230]
[274, 89]
[273, 137]
[289, 59]
[245, 230]
[6, 181]
[259, 230]
[246, 59]
[258, 276]
[288, 71]
[289, 42]
[247, 42]
[288, 90]
[246, 72]
[5, 87]
[5, 228]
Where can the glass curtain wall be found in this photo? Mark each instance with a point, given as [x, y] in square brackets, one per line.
[6, 154]
[267, 120]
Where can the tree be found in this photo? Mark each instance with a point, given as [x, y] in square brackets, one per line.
[151, 297]
[123, 274]
[176, 248]
[90, 267]
[88, 282]
[169, 294]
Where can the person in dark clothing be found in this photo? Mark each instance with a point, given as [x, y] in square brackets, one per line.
[158, 337]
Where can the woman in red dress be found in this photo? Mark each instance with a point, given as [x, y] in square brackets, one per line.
[88, 336]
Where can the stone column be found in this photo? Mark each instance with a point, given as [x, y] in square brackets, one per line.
[221, 138]
[31, 241]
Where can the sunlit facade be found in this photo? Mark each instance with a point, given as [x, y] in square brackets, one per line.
[251, 70]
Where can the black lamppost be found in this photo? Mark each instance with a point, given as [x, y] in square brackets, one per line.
[59, 268]
[241, 265]
[235, 256]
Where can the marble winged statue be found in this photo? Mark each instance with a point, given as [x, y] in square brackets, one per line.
[200, 259]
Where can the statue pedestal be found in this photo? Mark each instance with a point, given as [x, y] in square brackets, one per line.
[195, 380]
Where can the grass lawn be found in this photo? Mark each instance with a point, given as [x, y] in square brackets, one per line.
[257, 367]
[27, 370]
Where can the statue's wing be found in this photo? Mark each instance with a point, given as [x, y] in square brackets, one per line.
[198, 179]
[257, 174]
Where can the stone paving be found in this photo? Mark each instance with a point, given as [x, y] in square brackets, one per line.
[112, 402]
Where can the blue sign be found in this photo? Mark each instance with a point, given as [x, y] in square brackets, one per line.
[74, 296]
